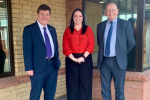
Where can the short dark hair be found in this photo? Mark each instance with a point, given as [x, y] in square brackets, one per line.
[84, 27]
[43, 7]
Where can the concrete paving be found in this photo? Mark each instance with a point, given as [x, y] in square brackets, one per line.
[65, 98]
[62, 98]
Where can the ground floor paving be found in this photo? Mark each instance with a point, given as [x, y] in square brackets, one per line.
[65, 98]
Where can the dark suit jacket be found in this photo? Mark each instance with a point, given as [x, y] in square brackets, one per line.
[34, 48]
[124, 42]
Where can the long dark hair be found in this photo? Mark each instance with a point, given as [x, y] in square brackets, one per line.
[84, 27]
[132, 21]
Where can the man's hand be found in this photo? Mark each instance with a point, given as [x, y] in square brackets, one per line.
[30, 72]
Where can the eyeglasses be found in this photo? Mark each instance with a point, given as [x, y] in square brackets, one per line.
[113, 10]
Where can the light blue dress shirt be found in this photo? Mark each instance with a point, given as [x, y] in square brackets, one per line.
[113, 37]
[49, 35]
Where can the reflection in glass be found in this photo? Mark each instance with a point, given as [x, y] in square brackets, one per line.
[2, 57]
[95, 15]
[131, 54]
[4, 39]
[146, 36]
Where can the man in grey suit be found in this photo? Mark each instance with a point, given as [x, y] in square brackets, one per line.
[115, 40]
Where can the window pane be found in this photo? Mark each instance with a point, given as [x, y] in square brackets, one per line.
[95, 15]
[146, 36]
[4, 39]
[128, 11]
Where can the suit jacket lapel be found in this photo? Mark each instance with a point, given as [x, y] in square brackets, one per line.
[38, 31]
[118, 31]
[102, 35]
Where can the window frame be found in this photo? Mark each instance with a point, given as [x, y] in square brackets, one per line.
[140, 28]
[11, 49]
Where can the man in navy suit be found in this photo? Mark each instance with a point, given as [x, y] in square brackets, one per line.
[115, 40]
[41, 58]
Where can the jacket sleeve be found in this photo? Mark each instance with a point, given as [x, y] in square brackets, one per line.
[98, 34]
[130, 37]
[57, 61]
[27, 48]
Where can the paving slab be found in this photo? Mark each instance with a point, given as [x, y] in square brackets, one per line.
[65, 98]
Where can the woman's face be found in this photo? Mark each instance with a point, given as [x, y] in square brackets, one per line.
[77, 18]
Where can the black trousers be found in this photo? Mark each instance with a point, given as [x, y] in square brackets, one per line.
[79, 78]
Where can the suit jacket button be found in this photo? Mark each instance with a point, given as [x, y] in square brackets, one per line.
[45, 50]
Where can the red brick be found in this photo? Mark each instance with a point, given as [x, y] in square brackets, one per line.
[7, 82]
[96, 96]
[136, 85]
[23, 77]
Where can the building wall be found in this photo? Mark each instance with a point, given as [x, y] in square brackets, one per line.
[94, 17]
[71, 6]
[136, 86]
[24, 13]
[18, 87]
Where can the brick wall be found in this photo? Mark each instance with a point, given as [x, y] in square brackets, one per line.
[94, 17]
[136, 86]
[71, 6]
[20, 92]
[24, 13]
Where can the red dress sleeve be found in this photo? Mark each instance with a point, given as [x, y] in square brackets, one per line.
[91, 41]
[66, 44]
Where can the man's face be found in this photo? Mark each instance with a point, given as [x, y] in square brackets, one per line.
[43, 17]
[111, 11]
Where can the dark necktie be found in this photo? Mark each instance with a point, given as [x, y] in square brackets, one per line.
[48, 45]
[107, 48]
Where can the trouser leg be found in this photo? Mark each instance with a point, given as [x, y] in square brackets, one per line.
[72, 79]
[106, 77]
[50, 83]
[85, 79]
[119, 80]
[37, 82]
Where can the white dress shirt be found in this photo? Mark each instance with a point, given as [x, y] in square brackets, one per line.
[49, 35]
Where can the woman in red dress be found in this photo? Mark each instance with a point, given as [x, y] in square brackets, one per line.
[78, 45]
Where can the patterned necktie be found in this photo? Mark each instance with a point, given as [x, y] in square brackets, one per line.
[48, 45]
[107, 48]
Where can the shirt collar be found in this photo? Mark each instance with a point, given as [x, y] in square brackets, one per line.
[40, 25]
[114, 21]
